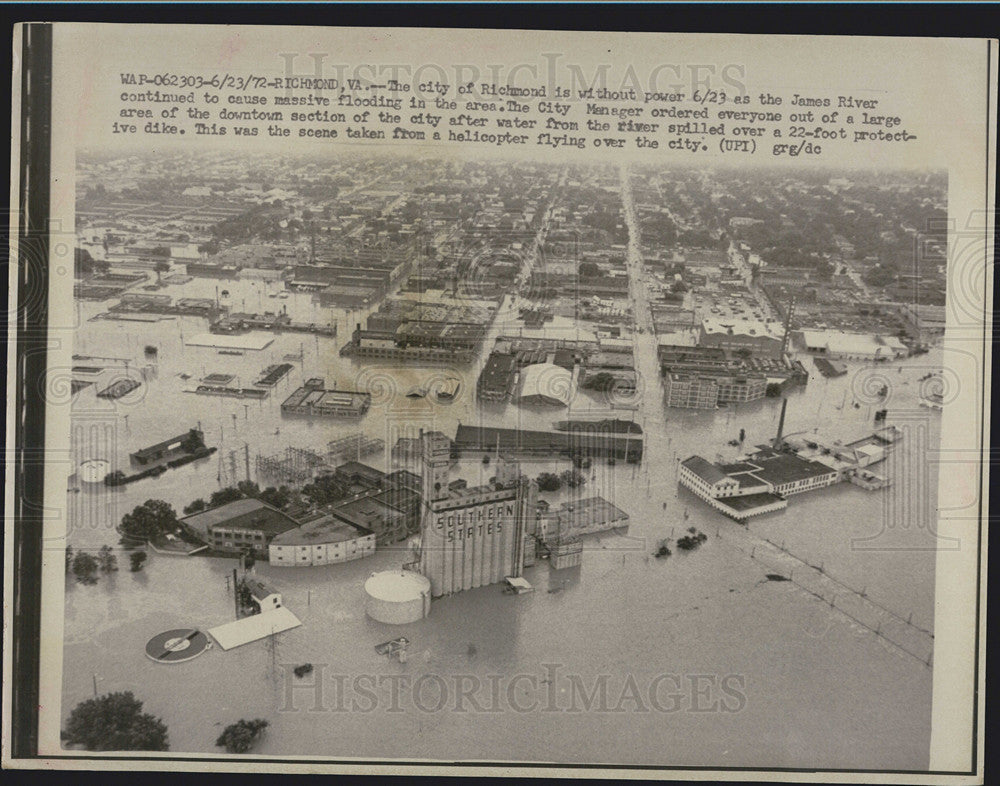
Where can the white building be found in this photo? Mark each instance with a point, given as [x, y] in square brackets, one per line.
[322, 542]
[853, 346]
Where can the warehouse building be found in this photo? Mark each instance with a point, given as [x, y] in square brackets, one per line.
[709, 390]
[853, 346]
[239, 526]
[325, 541]
[753, 335]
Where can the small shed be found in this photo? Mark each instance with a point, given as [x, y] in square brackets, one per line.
[518, 585]
[265, 597]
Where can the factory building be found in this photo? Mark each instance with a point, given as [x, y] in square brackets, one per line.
[321, 542]
[471, 537]
[709, 390]
[239, 526]
[853, 346]
[753, 335]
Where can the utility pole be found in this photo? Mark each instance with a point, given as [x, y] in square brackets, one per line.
[272, 646]
[236, 594]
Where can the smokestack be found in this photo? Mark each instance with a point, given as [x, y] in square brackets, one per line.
[781, 424]
[788, 326]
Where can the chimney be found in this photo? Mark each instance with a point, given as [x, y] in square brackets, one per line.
[781, 424]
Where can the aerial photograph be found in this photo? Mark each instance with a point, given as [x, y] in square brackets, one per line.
[383, 456]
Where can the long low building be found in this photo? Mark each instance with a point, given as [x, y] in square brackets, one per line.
[325, 541]
[853, 346]
[520, 442]
[253, 628]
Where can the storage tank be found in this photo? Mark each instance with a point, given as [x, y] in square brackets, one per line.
[397, 596]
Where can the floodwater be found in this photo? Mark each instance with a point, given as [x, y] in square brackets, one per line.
[703, 660]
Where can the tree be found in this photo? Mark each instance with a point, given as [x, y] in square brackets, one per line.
[248, 488]
[136, 560]
[195, 507]
[240, 737]
[589, 270]
[115, 722]
[107, 560]
[150, 519]
[878, 276]
[549, 481]
[602, 381]
[573, 478]
[222, 496]
[276, 497]
[85, 568]
[324, 489]
[193, 442]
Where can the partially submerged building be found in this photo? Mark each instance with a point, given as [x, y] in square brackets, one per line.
[239, 526]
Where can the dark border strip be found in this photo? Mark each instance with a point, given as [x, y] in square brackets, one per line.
[31, 356]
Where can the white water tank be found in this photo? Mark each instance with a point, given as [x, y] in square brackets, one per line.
[397, 597]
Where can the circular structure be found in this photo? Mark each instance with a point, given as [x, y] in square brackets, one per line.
[397, 596]
[177, 646]
[93, 470]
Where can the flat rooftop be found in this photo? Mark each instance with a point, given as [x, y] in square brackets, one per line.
[589, 512]
[254, 341]
[787, 468]
[241, 514]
